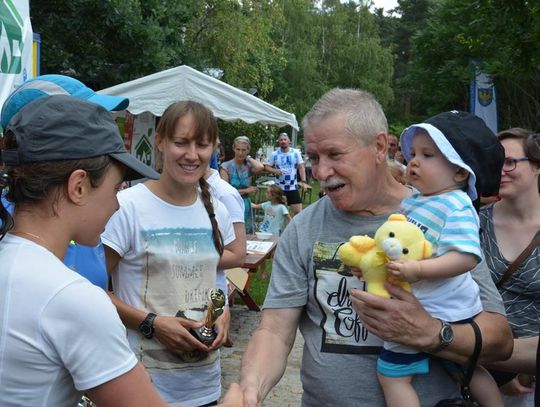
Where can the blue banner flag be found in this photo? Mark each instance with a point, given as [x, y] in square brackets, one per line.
[483, 102]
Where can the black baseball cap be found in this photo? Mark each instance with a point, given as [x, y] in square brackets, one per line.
[468, 142]
[61, 127]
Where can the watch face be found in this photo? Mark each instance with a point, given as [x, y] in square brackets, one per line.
[447, 334]
[146, 330]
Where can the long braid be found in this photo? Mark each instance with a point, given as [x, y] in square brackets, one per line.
[207, 201]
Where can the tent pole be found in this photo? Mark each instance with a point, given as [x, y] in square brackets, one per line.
[294, 136]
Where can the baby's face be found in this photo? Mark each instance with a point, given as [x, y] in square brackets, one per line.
[428, 169]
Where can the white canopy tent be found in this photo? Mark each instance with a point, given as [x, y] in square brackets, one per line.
[154, 93]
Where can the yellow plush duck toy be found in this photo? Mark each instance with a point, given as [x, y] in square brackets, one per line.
[395, 239]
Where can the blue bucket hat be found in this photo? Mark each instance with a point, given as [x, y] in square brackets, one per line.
[48, 85]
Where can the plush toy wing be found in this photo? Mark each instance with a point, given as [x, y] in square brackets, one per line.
[351, 252]
[395, 238]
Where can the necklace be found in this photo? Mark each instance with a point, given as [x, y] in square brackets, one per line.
[39, 241]
[20, 232]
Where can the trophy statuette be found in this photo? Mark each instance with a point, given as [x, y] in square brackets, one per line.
[216, 302]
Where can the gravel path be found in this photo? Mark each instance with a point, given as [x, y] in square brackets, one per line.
[288, 391]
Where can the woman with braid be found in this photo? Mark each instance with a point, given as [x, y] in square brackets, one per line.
[163, 248]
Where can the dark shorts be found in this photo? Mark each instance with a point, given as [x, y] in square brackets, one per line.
[293, 197]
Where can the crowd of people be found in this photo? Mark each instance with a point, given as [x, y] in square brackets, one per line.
[103, 288]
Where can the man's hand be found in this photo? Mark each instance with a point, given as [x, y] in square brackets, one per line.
[272, 170]
[400, 319]
[304, 185]
[405, 270]
[252, 398]
[233, 398]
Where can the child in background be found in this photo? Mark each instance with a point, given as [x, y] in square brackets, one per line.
[452, 158]
[275, 211]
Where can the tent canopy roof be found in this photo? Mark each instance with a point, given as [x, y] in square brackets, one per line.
[154, 93]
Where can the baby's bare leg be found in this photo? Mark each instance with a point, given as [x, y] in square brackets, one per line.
[484, 389]
[398, 391]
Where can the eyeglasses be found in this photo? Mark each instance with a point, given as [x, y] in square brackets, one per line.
[511, 163]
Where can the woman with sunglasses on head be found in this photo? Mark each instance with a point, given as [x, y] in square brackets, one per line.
[239, 173]
[507, 228]
[163, 248]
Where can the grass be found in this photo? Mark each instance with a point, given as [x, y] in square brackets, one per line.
[258, 286]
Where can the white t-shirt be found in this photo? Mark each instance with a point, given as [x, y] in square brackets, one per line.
[288, 163]
[168, 266]
[59, 334]
[233, 202]
[228, 195]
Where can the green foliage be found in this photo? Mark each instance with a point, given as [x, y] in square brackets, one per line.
[291, 51]
[326, 46]
[503, 35]
[235, 38]
[108, 42]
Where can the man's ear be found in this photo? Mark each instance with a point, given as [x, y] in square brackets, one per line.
[381, 147]
[461, 175]
[78, 187]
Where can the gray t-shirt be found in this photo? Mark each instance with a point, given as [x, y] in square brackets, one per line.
[339, 358]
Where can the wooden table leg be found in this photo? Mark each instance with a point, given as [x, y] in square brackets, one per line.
[244, 294]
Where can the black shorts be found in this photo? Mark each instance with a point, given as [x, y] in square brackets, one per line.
[293, 197]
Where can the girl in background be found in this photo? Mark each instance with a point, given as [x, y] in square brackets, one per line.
[275, 211]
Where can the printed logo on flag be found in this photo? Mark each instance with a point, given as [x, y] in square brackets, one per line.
[11, 38]
[485, 96]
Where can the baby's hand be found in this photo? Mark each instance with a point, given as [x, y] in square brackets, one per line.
[405, 270]
[356, 272]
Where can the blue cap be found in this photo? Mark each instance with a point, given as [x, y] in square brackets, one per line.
[48, 85]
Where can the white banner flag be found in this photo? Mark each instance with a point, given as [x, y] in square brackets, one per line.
[483, 99]
[16, 56]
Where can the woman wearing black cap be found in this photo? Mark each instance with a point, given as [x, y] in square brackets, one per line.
[59, 334]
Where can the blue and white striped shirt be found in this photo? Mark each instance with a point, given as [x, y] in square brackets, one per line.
[449, 221]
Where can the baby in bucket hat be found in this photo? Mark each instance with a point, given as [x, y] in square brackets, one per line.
[453, 158]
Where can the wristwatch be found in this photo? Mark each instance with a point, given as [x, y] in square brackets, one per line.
[446, 336]
[147, 326]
